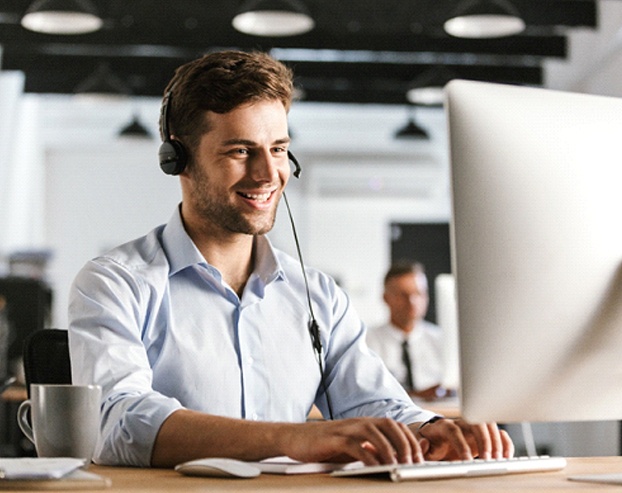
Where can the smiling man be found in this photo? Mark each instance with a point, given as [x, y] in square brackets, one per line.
[199, 332]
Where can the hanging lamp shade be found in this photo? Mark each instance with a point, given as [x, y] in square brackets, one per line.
[273, 18]
[485, 19]
[103, 82]
[411, 131]
[62, 17]
[135, 129]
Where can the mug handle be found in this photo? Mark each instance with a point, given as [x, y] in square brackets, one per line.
[22, 420]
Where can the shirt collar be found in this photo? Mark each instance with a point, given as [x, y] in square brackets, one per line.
[182, 252]
[179, 247]
[267, 265]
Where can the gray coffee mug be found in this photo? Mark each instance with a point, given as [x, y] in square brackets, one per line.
[65, 419]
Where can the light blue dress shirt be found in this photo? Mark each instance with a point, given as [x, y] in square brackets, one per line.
[157, 327]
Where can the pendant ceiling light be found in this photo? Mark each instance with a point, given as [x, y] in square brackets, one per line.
[102, 83]
[273, 18]
[411, 130]
[485, 19]
[135, 130]
[62, 17]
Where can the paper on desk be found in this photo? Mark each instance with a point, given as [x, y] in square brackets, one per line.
[38, 467]
[286, 465]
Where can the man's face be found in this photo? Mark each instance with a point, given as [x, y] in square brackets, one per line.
[407, 299]
[239, 170]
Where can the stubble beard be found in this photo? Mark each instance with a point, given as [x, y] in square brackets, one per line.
[227, 216]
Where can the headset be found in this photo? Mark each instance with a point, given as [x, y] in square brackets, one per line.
[172, 154]
[173, 159]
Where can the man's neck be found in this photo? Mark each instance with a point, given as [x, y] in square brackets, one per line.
[235, 262]
[405, 327]
[230, 253]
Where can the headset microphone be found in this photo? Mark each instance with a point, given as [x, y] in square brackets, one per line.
[297, 168]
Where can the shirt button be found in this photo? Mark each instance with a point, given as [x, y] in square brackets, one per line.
[250, 360]
[255, 416]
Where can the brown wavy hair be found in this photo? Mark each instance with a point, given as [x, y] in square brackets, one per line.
[220, 82]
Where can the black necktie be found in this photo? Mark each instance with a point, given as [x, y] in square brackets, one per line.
[409, 371]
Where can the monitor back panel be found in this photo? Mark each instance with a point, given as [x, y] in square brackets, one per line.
[537, 252]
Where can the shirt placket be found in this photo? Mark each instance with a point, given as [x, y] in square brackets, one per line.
[255, 385]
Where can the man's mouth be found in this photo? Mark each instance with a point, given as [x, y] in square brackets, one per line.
[259, 197]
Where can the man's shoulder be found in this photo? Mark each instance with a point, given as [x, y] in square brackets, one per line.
[379, 331]
[293, 270]
[145, 252]
[431, 330]
[430, 326]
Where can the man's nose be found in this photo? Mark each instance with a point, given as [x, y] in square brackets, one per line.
[264, 166]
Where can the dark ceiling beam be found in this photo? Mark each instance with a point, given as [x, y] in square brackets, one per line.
[345, 82]
[389, 90]
[568, 13]
[543, 45]
[75, 67]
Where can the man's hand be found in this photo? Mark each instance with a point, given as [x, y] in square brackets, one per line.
[371, 440]
[456, 439]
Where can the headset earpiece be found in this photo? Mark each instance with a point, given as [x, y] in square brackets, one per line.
[172, 153]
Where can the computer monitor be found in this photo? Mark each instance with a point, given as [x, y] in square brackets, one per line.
[446, 318]
[537, 251]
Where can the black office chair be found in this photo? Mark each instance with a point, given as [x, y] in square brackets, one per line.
[46, 357]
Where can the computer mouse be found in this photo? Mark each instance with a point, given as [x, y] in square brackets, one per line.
[218, 467]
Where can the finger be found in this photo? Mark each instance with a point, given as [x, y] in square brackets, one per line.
[481, 434]
[359, 449]
[374, 436]
[424, 444]
[508, 444]
[450, 432]
[399, 439]
[495, 441]
[416, 453]
[405, 447]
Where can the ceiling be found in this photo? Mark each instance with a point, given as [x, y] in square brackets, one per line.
[361, 51]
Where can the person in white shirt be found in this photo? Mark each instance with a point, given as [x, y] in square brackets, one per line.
[410, 346]
[201, 333]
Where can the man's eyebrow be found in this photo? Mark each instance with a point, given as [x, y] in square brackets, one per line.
[233, 142]
[246, 142]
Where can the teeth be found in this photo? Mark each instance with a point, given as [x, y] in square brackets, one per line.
[262, 197]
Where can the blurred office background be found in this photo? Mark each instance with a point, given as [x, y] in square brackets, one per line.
[71, 186]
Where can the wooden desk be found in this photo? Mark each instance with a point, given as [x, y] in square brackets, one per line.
[448, 406]
[167, 480]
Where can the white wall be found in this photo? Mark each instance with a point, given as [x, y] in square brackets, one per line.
[101, 191]
[21, 163]
[97, 197]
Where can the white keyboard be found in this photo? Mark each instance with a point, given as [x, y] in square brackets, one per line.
[457, 469]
